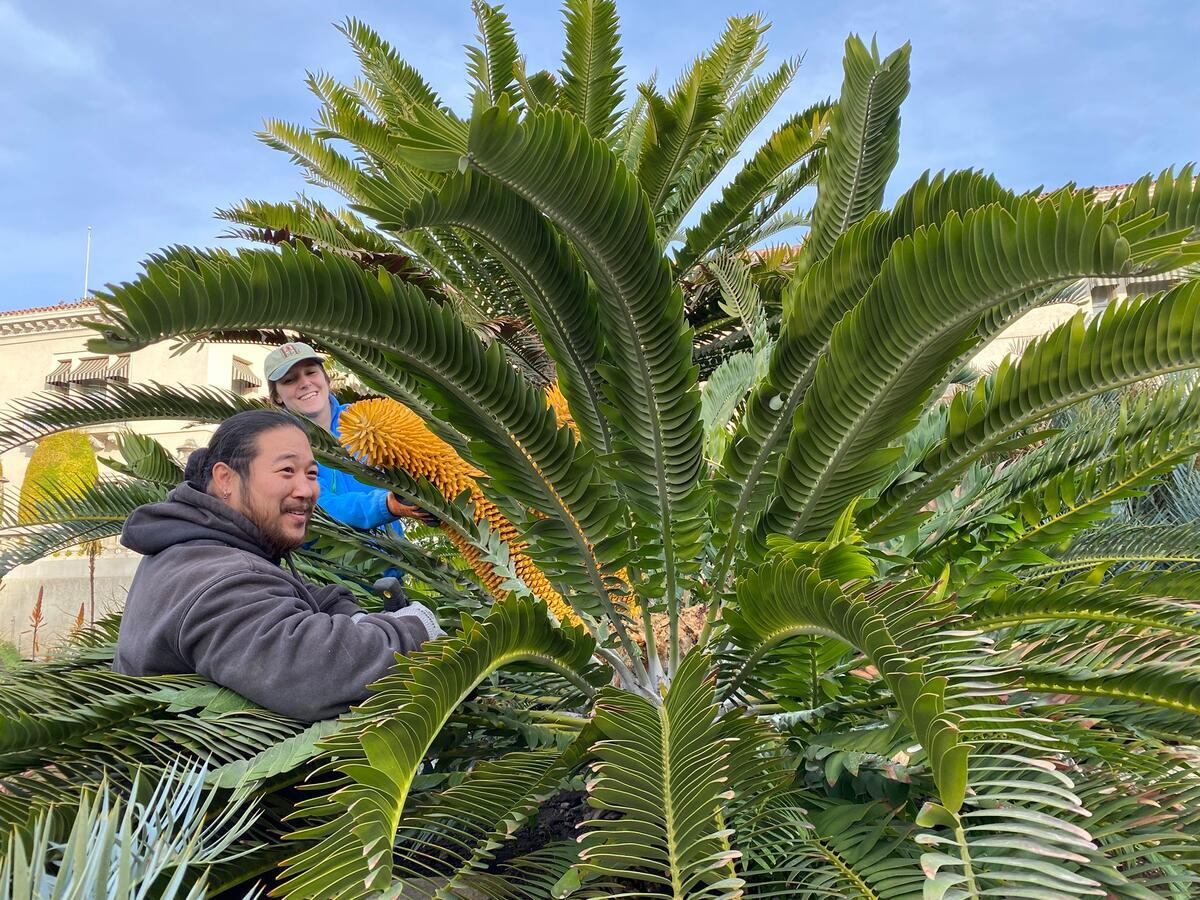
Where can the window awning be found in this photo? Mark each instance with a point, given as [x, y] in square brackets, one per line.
[243, 378]
[119, 370]
[60, 375]
[92, 368]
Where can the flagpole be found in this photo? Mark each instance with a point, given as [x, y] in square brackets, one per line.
[87, 262]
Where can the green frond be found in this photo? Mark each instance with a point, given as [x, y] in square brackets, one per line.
[377, 750]
[661, 766]
[538, 89]
[896, 343]
[1176, 196]
[744, 111]
[723, 394]
[727, 386]
[1130, 543]
[70, 514]
[863, 144]
[781, 600]
[309, 219]
[737, 53]
[814, 302]
[629, 137]
[324, 166]
[765, 226]
[740, 296]
[591, 73]
[1135, 340]
[789, 145]
[1052, 513]
[492, 64]
[675, 127]
[561, 300]
[806, 846]
[277, 759]
[1115, 603]
[1172, 684]
[34, 417]
[1014, 837]
[453, 834]
[397, 85]
[651, 382]
[146, 459]
[341, 117]
[160, 841]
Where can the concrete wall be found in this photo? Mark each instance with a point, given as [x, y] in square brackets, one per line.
[65, 586]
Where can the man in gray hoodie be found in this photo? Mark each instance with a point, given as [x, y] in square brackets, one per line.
[211, 597]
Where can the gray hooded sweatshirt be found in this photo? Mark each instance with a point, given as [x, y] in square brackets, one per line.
[208, 598]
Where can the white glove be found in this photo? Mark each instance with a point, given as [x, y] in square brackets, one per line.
[422, 614]
[417, 611]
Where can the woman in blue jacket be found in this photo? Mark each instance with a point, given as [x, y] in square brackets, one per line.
[297, 380]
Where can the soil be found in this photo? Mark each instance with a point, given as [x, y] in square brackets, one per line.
[557, 819]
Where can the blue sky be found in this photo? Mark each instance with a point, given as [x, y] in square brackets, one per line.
[138, 118]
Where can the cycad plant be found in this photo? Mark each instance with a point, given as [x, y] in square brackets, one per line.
[907, 680]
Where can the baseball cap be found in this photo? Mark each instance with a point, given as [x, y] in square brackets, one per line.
[282, 358]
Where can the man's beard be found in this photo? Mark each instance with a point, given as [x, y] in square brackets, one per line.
[275, 541]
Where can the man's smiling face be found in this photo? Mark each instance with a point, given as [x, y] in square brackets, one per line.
[304, 389]
[280, 490]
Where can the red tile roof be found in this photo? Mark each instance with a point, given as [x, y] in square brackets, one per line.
[78, 304]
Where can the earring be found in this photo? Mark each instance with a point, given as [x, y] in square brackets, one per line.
[226, 497]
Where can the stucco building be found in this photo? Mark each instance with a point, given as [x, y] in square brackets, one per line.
[45, 349]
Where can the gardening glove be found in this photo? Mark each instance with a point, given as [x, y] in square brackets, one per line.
[422, 614]
[414, 610]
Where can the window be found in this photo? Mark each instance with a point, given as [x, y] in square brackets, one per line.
[244, 379]
[59, 379]
[119, 370]
[89, 376]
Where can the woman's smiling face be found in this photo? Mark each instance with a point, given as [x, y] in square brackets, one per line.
[304, 390]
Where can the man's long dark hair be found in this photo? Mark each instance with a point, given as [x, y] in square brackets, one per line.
[235, 443]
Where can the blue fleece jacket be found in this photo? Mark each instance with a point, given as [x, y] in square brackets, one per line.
[347, 499]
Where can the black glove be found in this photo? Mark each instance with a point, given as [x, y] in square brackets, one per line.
[393, 593]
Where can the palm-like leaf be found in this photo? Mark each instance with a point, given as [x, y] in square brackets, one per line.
[661, 766]
[864, 143]
[790, 144]
[492, 64]
[1129, 544]
[1052, 512]
[591, 73]
[743, 113]
[675, 127]
[783, 600]
[561, 300]
[453, 834]
[378, 751]
[651, 382]
[159, 846]
[1071, 363]
[406, 334]
[895, 344]
[68, 515]
[813, 305]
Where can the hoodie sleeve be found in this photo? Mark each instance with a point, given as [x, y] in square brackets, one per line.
[366, 508]
[250, 633]
[334, 599]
